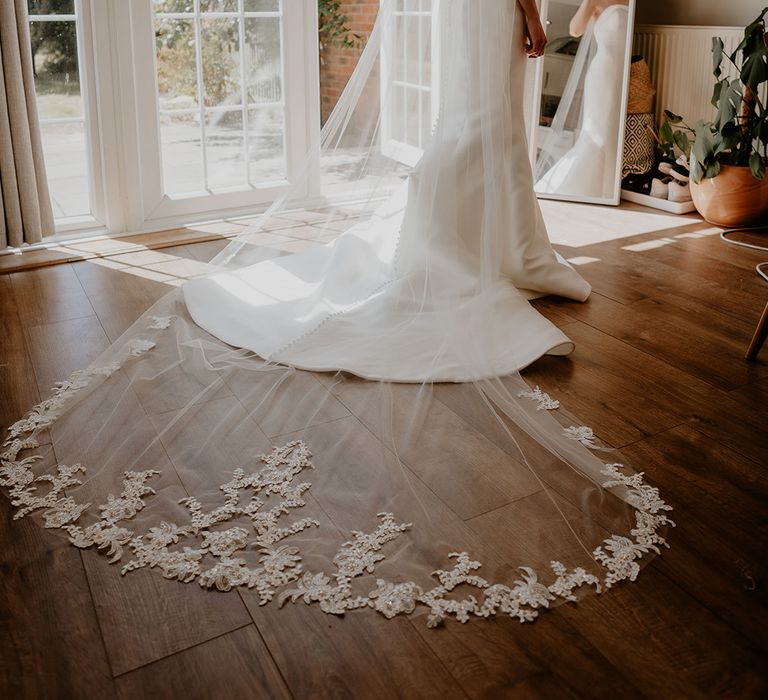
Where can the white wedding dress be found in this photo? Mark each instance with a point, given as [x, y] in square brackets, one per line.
[588, 168]
[410, 282]
[442, 482]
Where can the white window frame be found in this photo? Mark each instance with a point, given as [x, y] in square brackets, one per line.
[118, 83]
[84, 63]
[392, 147]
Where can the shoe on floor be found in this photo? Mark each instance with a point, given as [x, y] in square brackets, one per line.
[665, 167]
[680, 169]
[677, 169]
[660, 188]
[679, 192]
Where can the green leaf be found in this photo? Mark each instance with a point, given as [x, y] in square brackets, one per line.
[762, 131]
[754, 72]
[682, 141]
[729, 103]
[717, 55]
[717, 143]
[755, 28]
[713, 169]
[697, 172]
[757, 165]
[717, 91]
[757, 23]
[672, 117]
[665, 133]
[703, 162]
[730, 135]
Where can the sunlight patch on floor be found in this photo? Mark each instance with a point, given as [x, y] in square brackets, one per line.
[700, 234]
[648, 245]
[582, 260]
[666, 240]
[577, 225]
[154, 266]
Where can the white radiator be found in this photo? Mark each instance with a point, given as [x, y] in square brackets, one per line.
[680, 59]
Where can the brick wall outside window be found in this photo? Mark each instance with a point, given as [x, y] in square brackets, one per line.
[338, 62]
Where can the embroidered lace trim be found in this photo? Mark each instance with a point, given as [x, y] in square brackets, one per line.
[195, 551]
[545, 401]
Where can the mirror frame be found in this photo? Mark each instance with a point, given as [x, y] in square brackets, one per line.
[615, 197]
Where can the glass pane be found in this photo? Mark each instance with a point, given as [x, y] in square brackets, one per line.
[262, 60]
[66, 165]
[426, 118]
[173, 6]
[221, 62]
[398, 126]
[224, 149]
[176, 67]
[412, 136]
[51, 7]
[266, 147]
[425, 60]
[218, 5]
[57, 80]
[182, 156]
[262, 5]
[399, 63]
[412, 46]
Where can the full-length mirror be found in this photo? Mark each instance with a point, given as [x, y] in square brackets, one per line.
[581, 90]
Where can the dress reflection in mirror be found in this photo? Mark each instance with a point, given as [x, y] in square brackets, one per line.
[579, 132]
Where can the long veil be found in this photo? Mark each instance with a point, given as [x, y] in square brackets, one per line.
[568, 120]
[345, 425]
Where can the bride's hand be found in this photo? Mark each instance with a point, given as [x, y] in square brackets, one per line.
[535, 37]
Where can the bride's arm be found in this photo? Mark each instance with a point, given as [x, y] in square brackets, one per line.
[535, 36]
[580, 20]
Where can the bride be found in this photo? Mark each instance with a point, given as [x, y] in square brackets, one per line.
[346, 425]
[462, 238]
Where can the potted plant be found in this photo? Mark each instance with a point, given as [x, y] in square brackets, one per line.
[728, 156]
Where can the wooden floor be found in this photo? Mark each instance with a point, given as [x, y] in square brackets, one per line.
[658, 367]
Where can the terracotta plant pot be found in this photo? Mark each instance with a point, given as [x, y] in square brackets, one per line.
[733, 198]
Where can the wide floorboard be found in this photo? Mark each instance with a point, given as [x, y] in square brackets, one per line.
[658, 368]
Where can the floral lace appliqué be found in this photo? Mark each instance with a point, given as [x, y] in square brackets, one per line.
[581, 434]
[160, 322]
[210, 546]
[544, 400]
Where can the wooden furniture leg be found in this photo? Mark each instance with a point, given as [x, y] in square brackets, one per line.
[761, 333]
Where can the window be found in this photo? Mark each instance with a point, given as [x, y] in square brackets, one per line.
[155, 113]
[54, 35]
[409, 64]
[227, 101]
[219, 74]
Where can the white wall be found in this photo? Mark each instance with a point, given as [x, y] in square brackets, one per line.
[723, 13]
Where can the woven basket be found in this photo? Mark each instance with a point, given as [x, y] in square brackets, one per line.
[641, 90]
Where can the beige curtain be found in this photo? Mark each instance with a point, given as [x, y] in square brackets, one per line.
[27, 215]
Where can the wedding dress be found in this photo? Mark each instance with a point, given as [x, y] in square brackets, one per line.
[588, 168]
[463, 237]
[381, 367]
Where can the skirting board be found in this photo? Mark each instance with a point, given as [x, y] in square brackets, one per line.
[657, 203]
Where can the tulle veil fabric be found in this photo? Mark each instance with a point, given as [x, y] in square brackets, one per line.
[346, 426]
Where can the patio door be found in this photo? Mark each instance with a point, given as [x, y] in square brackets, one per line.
[156, 113]
[410, 80]
[226, 104]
